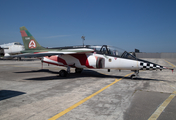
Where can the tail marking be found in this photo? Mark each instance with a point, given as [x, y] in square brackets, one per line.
[29, 41]
[32, 44]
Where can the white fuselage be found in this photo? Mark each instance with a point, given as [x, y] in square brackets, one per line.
[94, 61]
[113, 62]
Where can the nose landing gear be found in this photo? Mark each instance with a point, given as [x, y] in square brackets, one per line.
[135, 75]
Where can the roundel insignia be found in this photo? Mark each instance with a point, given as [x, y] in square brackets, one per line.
[32, 44]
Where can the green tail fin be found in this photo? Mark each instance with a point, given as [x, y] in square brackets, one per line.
[29, 41]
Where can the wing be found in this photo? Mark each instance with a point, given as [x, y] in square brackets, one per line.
[51, 53]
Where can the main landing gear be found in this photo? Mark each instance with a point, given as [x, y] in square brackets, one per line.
[135, 75]
[64, 73]
[78, 70]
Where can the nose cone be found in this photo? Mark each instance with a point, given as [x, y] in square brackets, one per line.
[145, 65]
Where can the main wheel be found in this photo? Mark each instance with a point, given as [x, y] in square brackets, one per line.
[19, 58]
[63, 73]
[78, 70]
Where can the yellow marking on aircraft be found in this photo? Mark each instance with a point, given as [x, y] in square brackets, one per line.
[160, 109]
[85, 99]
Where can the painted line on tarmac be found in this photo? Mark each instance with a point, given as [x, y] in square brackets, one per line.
[170, 63]
[161, 108]
[85, 99]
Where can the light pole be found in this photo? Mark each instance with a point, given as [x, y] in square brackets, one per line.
[83, 38]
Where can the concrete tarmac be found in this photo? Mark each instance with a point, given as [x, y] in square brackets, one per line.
[28, 92]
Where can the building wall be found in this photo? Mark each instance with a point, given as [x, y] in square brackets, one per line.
[155, 55]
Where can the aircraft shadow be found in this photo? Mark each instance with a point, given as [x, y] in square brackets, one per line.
[14, 59]
[145, 79]
[41, 70]
[85, 73]
[6, 94]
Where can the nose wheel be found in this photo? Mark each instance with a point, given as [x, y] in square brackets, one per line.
[135, 75]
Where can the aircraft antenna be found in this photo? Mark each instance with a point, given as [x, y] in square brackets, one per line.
[83, 38]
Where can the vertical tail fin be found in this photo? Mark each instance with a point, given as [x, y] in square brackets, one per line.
[29, 41]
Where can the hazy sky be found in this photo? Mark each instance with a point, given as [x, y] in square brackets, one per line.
[148, 25]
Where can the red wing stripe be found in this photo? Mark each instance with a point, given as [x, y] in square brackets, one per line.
[57, 59]
[82, 59]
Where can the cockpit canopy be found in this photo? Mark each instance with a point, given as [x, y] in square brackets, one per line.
[112, 51]
[17, 43]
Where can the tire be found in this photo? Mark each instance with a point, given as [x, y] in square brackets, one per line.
[133, 76]
[63, 73]
[78, 70]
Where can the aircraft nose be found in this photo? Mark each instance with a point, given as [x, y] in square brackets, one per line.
[150, 66]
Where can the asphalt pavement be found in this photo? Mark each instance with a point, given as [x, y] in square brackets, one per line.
[28, 92]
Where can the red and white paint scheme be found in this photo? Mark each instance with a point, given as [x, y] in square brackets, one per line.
[102, 57]
[92, 60]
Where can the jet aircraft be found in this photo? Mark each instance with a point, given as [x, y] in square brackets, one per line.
[88, 56]
[11, 49]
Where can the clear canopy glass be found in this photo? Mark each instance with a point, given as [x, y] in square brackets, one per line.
[111, 50]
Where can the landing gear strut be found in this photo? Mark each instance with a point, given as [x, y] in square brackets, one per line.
[64, 73]
[136, 75]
